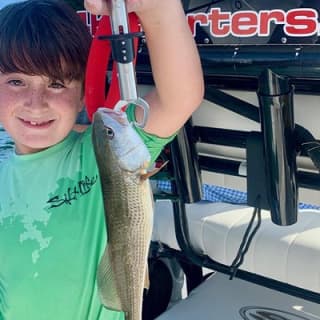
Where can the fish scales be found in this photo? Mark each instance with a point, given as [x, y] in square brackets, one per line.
[129, 215]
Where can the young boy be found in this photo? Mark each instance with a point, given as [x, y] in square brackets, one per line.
[52, 227]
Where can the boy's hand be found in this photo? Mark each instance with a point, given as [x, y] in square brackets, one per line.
[100, 7]
[96, 6]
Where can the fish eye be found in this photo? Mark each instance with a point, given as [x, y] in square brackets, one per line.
[110, 132]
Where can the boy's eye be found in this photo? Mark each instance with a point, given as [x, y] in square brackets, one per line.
[15, 82]
[57, 85]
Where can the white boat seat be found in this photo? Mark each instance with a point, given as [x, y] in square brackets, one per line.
[288, 254]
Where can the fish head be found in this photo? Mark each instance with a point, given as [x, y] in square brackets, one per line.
[124, 143]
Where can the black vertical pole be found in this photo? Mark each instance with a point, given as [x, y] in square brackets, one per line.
[277, 121]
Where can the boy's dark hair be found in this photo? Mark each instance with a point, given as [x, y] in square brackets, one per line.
[43, 37]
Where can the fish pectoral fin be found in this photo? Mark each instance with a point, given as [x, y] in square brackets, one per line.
[151, 173]
[107, 284]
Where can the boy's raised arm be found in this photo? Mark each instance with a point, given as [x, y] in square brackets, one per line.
[175, 62]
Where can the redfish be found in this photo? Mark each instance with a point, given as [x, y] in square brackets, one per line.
[123, 159]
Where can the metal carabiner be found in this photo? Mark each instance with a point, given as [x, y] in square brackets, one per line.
[139, 102]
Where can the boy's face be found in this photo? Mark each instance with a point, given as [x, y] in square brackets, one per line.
[36, 111]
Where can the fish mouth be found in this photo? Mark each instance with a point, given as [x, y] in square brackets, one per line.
[39, 124]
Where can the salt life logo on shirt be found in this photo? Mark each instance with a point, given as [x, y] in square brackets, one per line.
[72, 193]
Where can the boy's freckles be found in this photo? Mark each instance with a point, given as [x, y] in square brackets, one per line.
[37, 111]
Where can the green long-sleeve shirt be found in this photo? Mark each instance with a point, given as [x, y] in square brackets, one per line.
[52, 232]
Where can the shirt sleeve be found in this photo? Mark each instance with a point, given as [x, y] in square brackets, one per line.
[154, 143]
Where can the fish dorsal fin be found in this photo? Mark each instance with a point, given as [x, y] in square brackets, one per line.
[107, 284]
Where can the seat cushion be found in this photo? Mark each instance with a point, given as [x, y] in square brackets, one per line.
[288, 254]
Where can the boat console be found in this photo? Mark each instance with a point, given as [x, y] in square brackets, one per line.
[240, 195]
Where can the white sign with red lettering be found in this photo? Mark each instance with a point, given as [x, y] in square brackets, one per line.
[299, 22]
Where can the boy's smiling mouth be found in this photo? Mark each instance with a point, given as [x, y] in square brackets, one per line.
[37, 123]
